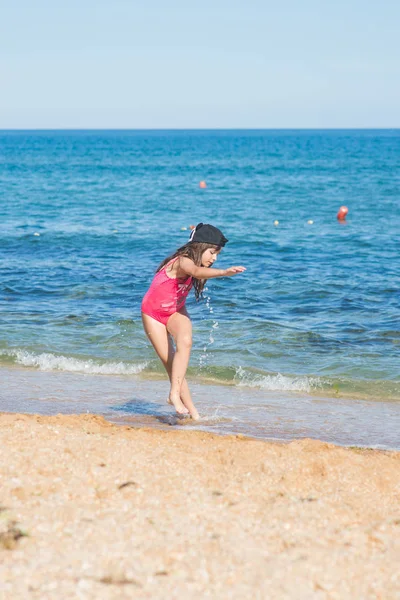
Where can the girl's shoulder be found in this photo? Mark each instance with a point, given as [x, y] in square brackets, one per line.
[174, 267]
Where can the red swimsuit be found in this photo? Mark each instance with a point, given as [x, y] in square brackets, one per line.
[166, 295]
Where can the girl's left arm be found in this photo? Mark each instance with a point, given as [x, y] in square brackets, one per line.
[188, 267]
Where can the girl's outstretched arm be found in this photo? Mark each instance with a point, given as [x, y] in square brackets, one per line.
[187, 266]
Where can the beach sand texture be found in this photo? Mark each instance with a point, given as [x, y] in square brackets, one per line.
[95, 510]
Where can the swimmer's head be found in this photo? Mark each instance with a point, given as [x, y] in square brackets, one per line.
[208, 234]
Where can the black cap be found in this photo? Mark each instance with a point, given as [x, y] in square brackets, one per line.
[208, 234]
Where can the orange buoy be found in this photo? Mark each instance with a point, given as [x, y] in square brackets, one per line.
[191, 227]
[342, 213]
[202, 185]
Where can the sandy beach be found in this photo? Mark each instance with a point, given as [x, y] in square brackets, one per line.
[89, 509]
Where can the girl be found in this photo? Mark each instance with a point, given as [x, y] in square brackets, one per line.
[164, 313]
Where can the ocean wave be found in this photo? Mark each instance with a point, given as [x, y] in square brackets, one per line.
[277, 382]
[338, 387]
[52, 362]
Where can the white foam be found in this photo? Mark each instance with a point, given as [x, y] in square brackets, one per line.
[276, 382]
[51, 362]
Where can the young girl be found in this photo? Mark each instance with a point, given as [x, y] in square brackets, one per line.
[164, 313]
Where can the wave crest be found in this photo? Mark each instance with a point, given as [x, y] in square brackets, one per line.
[51, 362]
[276, 382]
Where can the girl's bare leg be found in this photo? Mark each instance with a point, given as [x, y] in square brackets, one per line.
[185, 392]
[162, 344]
[158, 336]
[180, 327]
[186, 398]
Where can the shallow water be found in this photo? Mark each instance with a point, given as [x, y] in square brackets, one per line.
[255, 413]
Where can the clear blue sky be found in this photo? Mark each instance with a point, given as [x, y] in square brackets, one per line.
[200, 64]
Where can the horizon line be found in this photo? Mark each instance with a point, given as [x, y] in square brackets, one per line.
[394, 128]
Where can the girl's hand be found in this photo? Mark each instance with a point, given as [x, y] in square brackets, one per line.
[233, 271]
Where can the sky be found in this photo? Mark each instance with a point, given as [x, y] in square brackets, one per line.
[199, 64]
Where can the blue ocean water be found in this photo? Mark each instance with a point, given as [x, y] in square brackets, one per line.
[86, 217]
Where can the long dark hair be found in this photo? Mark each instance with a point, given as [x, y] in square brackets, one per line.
[194, 251]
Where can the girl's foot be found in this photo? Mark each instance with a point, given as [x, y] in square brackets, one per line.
[178, 405]
[194, 414]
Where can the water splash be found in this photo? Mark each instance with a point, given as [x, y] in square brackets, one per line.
[206, 354]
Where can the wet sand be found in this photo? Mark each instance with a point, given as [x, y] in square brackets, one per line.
[89, 509]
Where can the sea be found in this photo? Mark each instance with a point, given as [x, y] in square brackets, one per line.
[305, 343]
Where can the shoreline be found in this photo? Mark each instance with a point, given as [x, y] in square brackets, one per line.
[184, 428]
[226, 411]
[106, 510]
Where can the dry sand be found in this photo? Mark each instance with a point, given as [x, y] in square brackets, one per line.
[116, 512]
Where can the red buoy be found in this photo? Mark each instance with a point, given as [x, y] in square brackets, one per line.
[342, 213]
